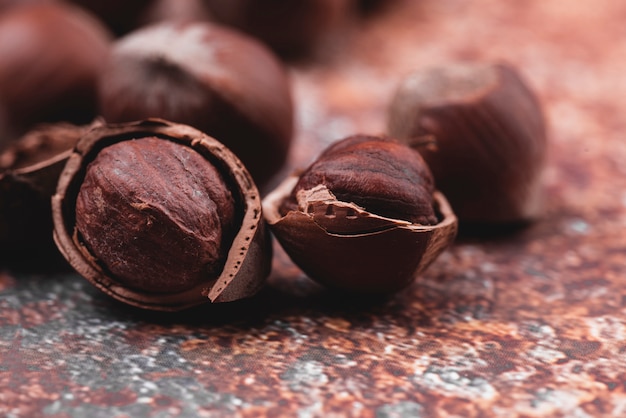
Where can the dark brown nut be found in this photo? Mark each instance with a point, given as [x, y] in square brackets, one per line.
[29, 171]
[490, 134]
[51, 55]
[289, 27]
[161, 216]
[212, 78]
[364, 217]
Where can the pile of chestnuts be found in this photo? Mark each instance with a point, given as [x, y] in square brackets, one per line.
[149, 154]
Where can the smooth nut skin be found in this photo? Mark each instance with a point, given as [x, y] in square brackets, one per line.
[491, 138]
[51, 56]
[215, 79]
[381, 175]
[154, 253]
[166, 211]
[344, 246]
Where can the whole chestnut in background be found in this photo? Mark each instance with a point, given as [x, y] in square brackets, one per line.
[220, 81]
[491, 139]
[51, 56]
[161, 216]
[364, 217]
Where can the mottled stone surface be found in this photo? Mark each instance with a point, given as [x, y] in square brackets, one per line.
[532, 323]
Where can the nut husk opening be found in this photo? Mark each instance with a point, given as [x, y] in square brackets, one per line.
[343, 246]
[248, 260]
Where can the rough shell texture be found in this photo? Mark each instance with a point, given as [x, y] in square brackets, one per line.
[149, 195]
[248, 261]
[215, 79]
[339, 244]
[490, 134]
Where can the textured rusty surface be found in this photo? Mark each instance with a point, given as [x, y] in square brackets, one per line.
[528, 324]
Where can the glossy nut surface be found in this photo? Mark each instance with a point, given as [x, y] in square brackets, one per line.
[104, 224]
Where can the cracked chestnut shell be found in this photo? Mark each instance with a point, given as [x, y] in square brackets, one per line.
[363, 217]
[161, 216]
[215, 79]
[29, 170]
[490, 134]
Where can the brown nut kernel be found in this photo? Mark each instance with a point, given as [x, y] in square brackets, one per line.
[161, 216]
[490, 134]
[29, 171]
[51, 55]
[212, 78]
[349, 221]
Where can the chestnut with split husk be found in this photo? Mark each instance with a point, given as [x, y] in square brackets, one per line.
[490, 136]
[215, 79]
[364, 217]
[161, 216]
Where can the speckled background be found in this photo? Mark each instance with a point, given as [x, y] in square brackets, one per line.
[528, 324]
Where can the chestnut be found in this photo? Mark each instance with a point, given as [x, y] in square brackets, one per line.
[490, 136]
[161, 216]
[51, 55]
[29, 170]
[212, 78]
[363, 217]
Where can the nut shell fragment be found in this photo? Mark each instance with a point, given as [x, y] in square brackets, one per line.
[342, 246]
[248, 261]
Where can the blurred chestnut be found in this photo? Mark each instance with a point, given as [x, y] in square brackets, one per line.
[364, 217]
[490, 134]
[51, 55]
[161, 216]
[219, 81]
